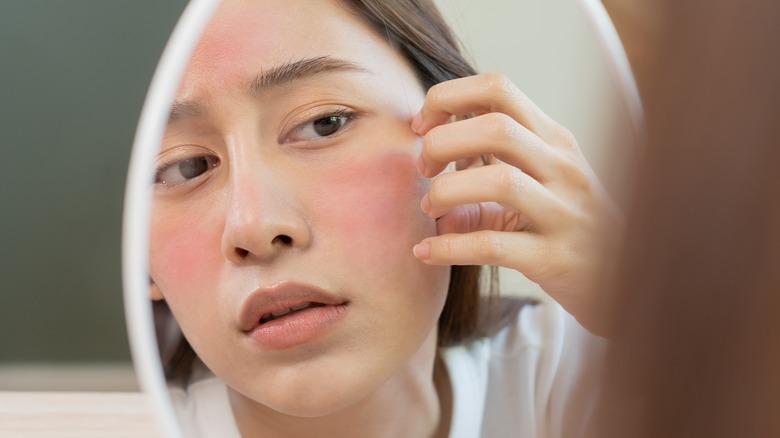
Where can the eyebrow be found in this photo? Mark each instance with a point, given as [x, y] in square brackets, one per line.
[183, 109]
[293, 71]
[276, 77]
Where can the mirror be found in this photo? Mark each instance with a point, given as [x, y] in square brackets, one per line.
[240, 234]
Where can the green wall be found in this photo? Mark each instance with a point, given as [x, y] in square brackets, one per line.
[73, 76]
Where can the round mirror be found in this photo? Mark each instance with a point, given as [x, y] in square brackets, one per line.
[274, 200]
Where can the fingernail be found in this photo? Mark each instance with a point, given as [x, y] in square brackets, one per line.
[422, 251]
[417, 122]
[425, 204]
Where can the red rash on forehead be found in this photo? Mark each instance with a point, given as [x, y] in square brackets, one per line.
[246, 38]
[229, 45]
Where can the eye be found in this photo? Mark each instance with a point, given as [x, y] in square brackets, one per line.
[321, 126]
[328, 125]
[180, 171]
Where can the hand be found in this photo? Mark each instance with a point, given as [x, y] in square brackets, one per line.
[535, 205]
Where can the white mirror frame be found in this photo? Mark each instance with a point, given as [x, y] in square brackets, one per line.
[138, 192]
[609, 43]
[137, 209]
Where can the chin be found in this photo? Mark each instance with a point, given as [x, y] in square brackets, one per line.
[313, 401]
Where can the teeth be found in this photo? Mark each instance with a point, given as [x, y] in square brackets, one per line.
[272, 315]
[300, 306]
[281, 312]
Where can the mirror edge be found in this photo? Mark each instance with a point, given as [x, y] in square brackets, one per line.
[138, 312]
[609, 42]
[135, 220]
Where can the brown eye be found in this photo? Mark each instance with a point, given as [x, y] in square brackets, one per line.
[193, 167]
[328, 125]
[185, 170]
[322, 126]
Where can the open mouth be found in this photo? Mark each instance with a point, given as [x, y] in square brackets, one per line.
[270, 316]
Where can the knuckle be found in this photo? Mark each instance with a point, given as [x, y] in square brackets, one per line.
[498, 83]
[510, 178]
[566, 166]
[500, 127]
[447, 248]
[492, 247]
[564, 137]
[571, 170]
[437, 94]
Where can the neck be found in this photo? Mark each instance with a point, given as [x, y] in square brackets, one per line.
[407, 404]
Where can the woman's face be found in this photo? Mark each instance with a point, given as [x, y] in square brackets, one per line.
[287, 178]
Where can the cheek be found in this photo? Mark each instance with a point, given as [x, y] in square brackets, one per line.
[369, 211]
[373, 203]
[182, 250]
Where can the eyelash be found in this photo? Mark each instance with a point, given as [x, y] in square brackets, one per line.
[210, 163]
[349, 116]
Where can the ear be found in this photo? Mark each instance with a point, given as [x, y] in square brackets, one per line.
[154, 291]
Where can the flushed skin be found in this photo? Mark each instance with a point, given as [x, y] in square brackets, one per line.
[347, 204]
[267, 208]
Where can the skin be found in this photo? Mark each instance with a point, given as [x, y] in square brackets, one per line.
[348, 227]
[538, 208]
[351, 206]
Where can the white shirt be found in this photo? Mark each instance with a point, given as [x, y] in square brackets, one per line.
[531, 379]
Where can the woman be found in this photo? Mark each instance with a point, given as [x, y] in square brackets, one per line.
[304, 243]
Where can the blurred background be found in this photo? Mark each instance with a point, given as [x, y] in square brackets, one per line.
[73, 78]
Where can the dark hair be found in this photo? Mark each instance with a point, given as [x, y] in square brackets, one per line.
[418, 31]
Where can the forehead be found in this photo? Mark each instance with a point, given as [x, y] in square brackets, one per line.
[247, 37]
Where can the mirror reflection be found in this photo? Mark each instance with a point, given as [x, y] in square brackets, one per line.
[334, 185]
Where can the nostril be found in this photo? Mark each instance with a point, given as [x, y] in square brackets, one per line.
[283, 239]
[280, 240]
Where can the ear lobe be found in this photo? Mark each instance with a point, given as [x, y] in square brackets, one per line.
[154, 291]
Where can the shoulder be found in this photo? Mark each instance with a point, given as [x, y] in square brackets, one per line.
[528, 374]
[517, 325]
[203, 407]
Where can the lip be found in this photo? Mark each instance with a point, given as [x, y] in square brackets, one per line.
[294, 328]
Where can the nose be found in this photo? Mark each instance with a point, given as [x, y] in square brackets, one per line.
[263, 220]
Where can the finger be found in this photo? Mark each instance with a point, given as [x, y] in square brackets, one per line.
[481, 94]
[493, 133]
[476, 217]
[501, 183]
[471, 162]
[520, 251]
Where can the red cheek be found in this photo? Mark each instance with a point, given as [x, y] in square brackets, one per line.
[182, 251]
[374, 199]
